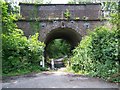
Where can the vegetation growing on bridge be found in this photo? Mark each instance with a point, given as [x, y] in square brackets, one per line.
[19, 54]
[67, 14]
[35, 26]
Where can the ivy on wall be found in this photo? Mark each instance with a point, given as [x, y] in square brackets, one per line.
[35, 11]
[35, 27]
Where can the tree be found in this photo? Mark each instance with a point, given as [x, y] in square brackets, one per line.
[58, 48]
[109, 7]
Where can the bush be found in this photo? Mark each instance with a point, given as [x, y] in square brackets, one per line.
[97, 54]
[18, 52]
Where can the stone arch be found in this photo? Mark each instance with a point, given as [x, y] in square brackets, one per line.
[69, 34]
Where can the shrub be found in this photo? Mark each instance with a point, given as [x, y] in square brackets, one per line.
[97, 54]
[18, 52]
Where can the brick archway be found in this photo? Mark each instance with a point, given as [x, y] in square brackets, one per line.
[69, 34]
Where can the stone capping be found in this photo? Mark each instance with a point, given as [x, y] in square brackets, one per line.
[58, 4]
[33, 20]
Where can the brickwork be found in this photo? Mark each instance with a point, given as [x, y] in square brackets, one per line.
[50, 22]
[53, 11]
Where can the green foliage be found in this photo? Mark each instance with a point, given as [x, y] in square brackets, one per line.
[13, 8]
[58, 48]
[21, 71]
[67, 14]
[110, 6]
[35, 27]
[97, 54]
[35, 49]
[115, 20]
[18, 52]
[37, 1]
[7, 20]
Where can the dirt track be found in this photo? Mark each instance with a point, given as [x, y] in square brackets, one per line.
[56, 79]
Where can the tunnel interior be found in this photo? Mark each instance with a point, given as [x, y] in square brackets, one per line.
[67, 34]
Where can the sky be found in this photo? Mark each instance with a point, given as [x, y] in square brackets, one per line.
[59, 1]
[52, 1]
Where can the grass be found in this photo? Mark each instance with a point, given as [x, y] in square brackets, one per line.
[70, 70]
[33, 69]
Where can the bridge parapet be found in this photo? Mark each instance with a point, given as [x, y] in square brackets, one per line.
[58, 11]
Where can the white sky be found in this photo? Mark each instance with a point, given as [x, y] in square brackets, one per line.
[52, 1]
[66, 1]
[59, 1]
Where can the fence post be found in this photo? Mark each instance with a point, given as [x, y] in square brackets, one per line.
[52, 63]
[43, 62]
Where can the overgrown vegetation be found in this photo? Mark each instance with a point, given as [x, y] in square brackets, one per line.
[58, 48]
[97, 53]
[19, 54]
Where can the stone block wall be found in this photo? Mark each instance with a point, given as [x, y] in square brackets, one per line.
[45, 27]
[56, 11]
[49, 20]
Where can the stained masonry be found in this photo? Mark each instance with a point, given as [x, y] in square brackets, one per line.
[50, 22]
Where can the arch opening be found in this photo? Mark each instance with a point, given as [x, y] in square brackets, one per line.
[69, 35]
[58, 48]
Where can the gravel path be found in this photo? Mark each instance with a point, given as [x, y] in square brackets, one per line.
[56, 79]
